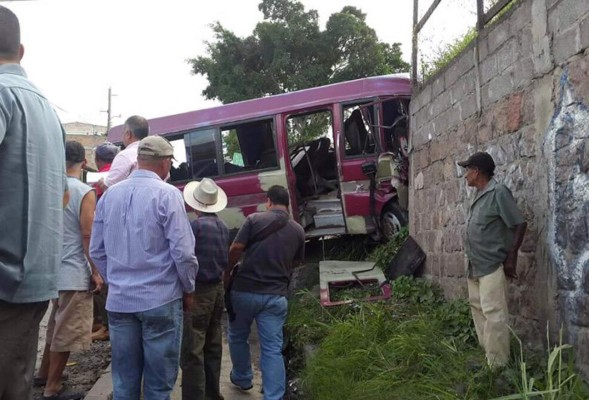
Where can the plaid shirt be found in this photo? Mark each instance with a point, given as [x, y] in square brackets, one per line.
[212, 247]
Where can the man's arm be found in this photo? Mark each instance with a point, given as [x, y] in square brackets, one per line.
[510, 263]
[179, 234]
[119, 170]
[235, 251]
[514, 220]
[87, 209]
[97, 251]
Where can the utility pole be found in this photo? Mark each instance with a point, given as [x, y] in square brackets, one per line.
[108, 111]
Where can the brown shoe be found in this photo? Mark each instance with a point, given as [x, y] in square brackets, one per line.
[97, 327]
[101, 334]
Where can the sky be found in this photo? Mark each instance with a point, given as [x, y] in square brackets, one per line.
[76, 49]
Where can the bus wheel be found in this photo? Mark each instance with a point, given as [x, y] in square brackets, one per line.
[392, 220]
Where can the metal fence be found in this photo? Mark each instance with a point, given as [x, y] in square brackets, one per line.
[481, 11]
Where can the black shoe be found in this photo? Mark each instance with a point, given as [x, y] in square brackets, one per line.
[64, 395]
[240, 387]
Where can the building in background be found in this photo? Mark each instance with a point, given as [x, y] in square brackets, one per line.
[89, 135]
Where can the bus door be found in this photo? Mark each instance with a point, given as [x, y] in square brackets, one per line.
[357, 159]
[313, 166]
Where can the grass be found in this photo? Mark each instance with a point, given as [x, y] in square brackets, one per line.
[417, 346]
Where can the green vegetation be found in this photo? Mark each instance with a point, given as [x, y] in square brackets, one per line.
[415, 346]
[288, 51]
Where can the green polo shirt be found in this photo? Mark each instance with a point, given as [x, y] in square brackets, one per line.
[492, 217]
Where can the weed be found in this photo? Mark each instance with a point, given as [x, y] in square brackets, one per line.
[383, 254]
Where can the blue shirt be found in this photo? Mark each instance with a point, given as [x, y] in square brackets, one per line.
[142, 244]
[32, 183]
[212, 247]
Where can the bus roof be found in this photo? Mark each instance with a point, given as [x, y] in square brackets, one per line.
[397, 84]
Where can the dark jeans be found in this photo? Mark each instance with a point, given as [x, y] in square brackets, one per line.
[19, 333]
[202, 344]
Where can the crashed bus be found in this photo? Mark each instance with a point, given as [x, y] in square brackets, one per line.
[340, 150]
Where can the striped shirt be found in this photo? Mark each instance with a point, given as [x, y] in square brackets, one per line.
[142, 244]
[212, 247]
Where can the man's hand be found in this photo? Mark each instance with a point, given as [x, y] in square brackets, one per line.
[102, 185]
[97, 281]
[187, 302]
[510, 266]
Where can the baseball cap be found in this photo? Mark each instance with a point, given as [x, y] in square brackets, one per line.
[155, 146]
[74, 152]
[106, 151]
[481, 160]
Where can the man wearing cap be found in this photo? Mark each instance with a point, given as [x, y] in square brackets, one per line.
[70, 323]
[273, 244]
[202, 341]
[103, 158]
[104, 155]
[125, 162]
[33, 192]
[143, 246]
[494, 233]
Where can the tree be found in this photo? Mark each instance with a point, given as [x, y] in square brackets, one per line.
[288, 51]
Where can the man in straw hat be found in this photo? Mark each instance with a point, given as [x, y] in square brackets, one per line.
[144, 248]
[202, 341]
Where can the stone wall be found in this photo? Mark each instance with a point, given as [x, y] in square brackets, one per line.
[521, 93]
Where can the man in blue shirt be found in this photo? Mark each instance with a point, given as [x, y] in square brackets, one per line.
[202, 340]
[143, 246]
[32, 192]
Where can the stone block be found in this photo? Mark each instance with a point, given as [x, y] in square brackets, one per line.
[566, 45]
[422, 98]
[498, 35]
[523, 72]
[459, 68]
[468, 107]
[488, 68]
[454, 265]
[580, 310]
[507, 55]
[578, 69]
[565, 15]
[438, 85]
[501, 85]
[527, 142]
[584, 32]
[521, 16]
[462, 88]
[525, 42]
[508, 115]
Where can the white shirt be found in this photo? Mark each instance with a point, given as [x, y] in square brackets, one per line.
[124, 163]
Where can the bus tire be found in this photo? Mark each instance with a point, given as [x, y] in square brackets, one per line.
[392, 219]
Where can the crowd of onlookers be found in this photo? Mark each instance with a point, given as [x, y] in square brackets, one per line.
[122, 257]
[121, 260]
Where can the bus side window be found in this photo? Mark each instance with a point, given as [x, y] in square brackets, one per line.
[358, 132]
[249, 146]
[203, 153]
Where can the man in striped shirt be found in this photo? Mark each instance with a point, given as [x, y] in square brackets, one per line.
[143, 246]
[202, 341]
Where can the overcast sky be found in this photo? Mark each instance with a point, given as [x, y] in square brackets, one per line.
[76, 49]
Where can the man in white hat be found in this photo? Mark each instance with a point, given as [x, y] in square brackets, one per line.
[202, 338]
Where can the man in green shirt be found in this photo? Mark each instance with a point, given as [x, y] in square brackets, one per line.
[494, 232]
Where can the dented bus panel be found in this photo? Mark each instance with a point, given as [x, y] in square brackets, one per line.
[341, 151]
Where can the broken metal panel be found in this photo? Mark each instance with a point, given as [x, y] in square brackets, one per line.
[356, 225]
[332, 271]
[233, 217]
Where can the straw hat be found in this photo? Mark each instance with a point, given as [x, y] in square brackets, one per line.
[205, 196]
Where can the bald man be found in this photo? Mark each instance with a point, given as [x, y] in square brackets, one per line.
[33, 192]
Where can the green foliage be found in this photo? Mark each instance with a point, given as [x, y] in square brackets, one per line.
[557, 381]
[288, 51]
[384, 253]
[448, 54]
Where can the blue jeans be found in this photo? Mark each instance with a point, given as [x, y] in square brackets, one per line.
[269, 312]
[145, 344]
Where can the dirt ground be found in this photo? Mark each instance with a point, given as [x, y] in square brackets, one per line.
[84, 368]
